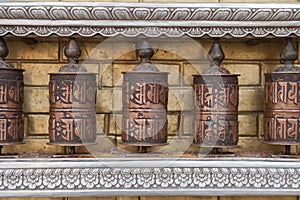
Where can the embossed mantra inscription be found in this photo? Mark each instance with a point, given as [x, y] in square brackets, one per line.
[282, 111]
[216, 106]
[72, 108]
[11, 101]
[145, 100]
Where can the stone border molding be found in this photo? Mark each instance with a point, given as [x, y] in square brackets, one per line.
[109, 19]
[133, 177]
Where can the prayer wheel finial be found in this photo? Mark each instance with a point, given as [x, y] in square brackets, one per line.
[288, 56]
[145, 52]
[72, 52]
[3, 53]
[215, 57]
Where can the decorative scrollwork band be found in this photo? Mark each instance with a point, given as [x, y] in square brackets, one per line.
[153, 20]
[137, 180]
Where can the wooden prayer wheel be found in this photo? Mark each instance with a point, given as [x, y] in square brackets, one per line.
[216, 94]
[11, 100]
[145, 99]
[72, 95]
[282, 101]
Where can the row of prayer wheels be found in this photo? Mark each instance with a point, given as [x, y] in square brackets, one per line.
[72, 97]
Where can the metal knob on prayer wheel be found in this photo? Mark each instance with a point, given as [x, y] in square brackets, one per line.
[145, 99]
[216, 94]
[11, 100]
[72, 95]
[282, 101]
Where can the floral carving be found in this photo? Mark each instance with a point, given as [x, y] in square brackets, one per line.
[220, 177]
[32, 178]
[71, 178]
[238, 177]
[202, 177]
[12, 179]
[52, 178]
[153, 179]
[146, 178]
[164, 177]
[126, 178]
[108, 178]
[257, 177]
[89, 178]
[183, 177]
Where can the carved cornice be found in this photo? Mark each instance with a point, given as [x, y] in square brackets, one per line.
[93, 177]
[153, 20]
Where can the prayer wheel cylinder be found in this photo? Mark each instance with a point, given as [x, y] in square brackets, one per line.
[216, 97]
[145, 99]
[72, 109]
[72, 96]
[216, 110]
[11, 106]
[282, 108]
[11, 100]
[282, 101]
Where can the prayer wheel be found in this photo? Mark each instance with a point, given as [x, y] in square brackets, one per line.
[11, 100]
[145, 99]
[282, 101]
[72, 95]
[216, 94]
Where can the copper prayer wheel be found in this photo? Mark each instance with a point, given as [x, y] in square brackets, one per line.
[216, 94]
[145, 99]
[282, 101]
[72, 95]
[11, 100]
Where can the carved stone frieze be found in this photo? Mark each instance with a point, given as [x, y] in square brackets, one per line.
[152, 20]
[164, 177]
[149, 178]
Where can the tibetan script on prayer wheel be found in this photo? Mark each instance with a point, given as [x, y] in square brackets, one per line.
[145, 100]
[11, 102]
[216, 110]
[72, 108]
[282, 108]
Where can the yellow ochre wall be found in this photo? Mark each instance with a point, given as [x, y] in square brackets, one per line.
[249, 57]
